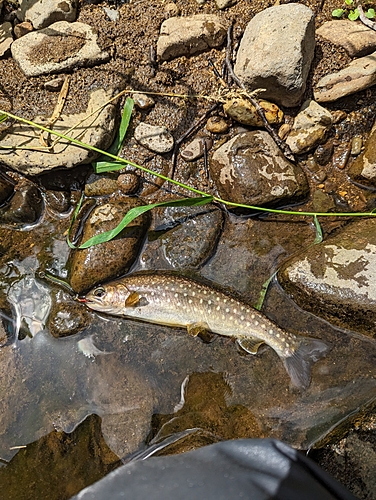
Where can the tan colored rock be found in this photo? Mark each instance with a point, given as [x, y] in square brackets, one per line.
[60, 47]
[243, 111]
[6, 37]
[360, 74]
[354, 37]
[310, 127]
[22, 29]
[185, 36]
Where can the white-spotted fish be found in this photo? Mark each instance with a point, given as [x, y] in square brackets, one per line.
[172, 300]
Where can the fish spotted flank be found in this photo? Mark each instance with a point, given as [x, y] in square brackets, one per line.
[172, 300]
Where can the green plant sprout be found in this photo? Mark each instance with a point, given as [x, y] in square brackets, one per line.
[200, 200]
[352, 14]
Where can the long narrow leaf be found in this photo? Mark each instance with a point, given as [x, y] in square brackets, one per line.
[137, 211]
[319, 235]
[74, 217]
[108, 166]
[264, 291]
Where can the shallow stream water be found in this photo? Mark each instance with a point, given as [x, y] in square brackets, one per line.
[148, 382]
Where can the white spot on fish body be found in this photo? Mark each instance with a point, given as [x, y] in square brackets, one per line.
[218, 308]
[242, 317]
[256, 323]
[227, 309]
[209, 302]
[252, 316]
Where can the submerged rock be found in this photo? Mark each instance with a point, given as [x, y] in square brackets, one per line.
[185, 36]
[67, 317]
[251, 169]
[336, 280]
[113, 258]
[276, 52]
[183, 243]
[25, 206]
[60, 47]
[310, 127]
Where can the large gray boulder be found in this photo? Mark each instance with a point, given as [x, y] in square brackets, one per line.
[276, 52]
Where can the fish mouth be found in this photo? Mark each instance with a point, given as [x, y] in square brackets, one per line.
[81, 299]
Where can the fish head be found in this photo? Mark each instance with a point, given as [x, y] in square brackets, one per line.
[110, 298]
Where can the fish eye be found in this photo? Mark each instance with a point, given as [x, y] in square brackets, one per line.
[99, 292]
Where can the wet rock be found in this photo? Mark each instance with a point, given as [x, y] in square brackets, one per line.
[338, 116]
[99, 131]
[143, 101]
[113, 258]
[25, 206]
[60, 47]
[129, 183]
[183, 243]
[356, 146]
[217, 125]
[250, 169]
[100, 185]
[360, 74]
[6, 189]
[276, 52]
[284, 131]
[195, 149]
[6, 38]
[45, 12]
[186, 36]
[336, 280]
[363, 169]
[66, 451]
[341, 155]
[213, 414]
[356, 39]
[153, 137]
[67, 317]
[22, 29]
[241, 110]
[58, 201]
[310, 127]
[323, 153]
[322, 202]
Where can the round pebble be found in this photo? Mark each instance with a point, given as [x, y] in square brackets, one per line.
[143, 101]
[157, 139]
[356, 145]
[128, 183]
[284, 131]
[323, 153]
[217, 125]
[195, 150]
[171, 10]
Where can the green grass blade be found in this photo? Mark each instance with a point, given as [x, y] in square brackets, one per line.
[264, 291]
[102, 164]
[74, 217]
[137, 211]
[319, 236]
[108, 166]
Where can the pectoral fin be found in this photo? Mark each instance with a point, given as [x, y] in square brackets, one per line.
[250, 345]
[134, 300]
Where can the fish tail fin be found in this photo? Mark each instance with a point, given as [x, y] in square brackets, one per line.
[299, 364]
